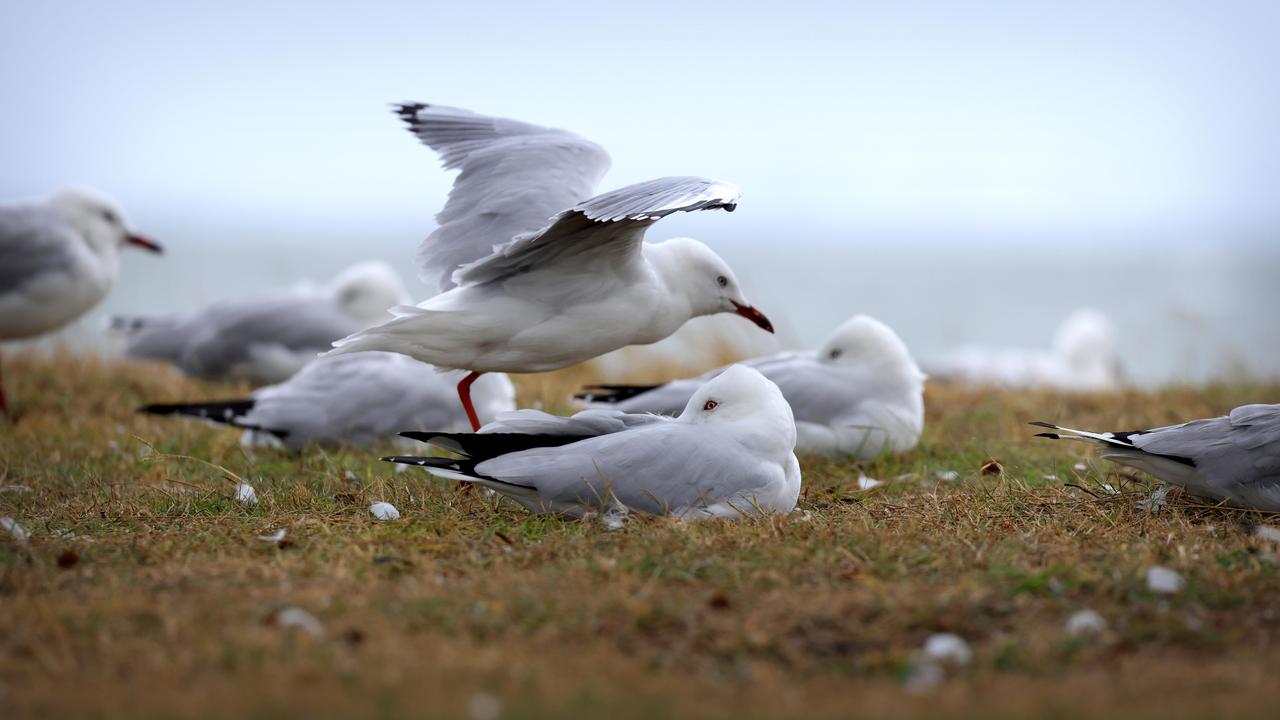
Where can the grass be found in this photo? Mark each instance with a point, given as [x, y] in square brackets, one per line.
[144, 590]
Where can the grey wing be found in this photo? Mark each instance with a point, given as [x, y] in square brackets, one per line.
[357, 398]
[655, 469]
[613, 223]
[593, 422]
[818, 392]
[234, 333]
[515, 177]
[1243, 447]
[670, 398]
[32, 243]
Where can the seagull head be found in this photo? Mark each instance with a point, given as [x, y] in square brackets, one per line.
[366, 290]
[863, 341]
[741, 393]
[706, 280]
[98, 221]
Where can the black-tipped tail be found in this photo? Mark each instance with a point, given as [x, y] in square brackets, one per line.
[612, 393]
[483, 446]
[228, 412]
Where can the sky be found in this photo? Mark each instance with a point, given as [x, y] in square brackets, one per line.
[1090, 122]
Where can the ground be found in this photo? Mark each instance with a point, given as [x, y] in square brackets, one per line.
[144, 589]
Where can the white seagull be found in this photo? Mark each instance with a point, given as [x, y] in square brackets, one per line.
[534, 276]
[58, 258]
[352, 399]
[1235, 458]
[1083, 359]
[860, 394]
[266, 339]
[730, 453]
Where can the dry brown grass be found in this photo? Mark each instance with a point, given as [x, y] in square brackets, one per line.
[168, 608]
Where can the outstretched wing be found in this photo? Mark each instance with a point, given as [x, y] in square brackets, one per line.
[612, 223]
[515, 177]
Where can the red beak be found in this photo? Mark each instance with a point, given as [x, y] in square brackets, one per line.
[145, 243]
[753, 315]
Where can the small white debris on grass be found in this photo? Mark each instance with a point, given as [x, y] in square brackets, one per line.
[1079, 467]
[1157, 500]
[947, 648]
[14, 489]
[12, 527]
[1085, 622]
[484, 706]
[1267, 532]
[614, 519]
[246, 495]
[1163, 580]
[274, 537]
[924, 677]
[947, 475]
[296, 617]
[384, 511]
[866, 483]
[1050, 477]
[929, 666]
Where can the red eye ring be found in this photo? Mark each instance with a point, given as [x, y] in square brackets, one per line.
[710, 405]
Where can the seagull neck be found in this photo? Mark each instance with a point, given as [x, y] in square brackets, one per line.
[672, 290]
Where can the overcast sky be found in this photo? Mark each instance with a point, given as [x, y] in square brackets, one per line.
[1092, 119]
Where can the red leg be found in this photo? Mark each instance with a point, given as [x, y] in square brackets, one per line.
[464, 392]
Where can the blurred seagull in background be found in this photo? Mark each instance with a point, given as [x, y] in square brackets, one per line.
[729, 454]
[860, 394]
[351, 399]
[1234, 458]
[58, 258]
[1083, 359]
[534, 273]
[269, 338]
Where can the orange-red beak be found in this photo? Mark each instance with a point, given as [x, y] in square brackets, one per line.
[753, 315]
[145, 243]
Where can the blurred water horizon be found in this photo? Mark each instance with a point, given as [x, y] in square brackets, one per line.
[1184, 314]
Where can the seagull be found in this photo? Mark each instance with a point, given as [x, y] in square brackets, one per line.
[58, 258]
[860, 394]
[353, 399]
[536, 275]
[730, 453]
[266, 339]
[1083, 359]
[1234, 458]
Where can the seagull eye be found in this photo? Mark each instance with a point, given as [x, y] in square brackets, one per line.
[110, 217]
[722, 281]
[835, 353]
[710, 405]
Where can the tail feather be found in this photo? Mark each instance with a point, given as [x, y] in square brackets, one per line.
[483, 446]
[1073, 434]
[462, 471]
[612, 393]
[222, 412]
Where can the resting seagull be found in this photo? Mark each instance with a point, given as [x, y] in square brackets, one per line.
[521, 293]
[268, 338]
[729, 454]
[354, 399]
[860, 394]
[58, 258]
[1235, 458]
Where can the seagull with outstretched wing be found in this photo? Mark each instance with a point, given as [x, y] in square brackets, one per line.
[534, 273]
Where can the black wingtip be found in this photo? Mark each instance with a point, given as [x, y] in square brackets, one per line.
[1051, 436]
[1043, 424]
[418, 435]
